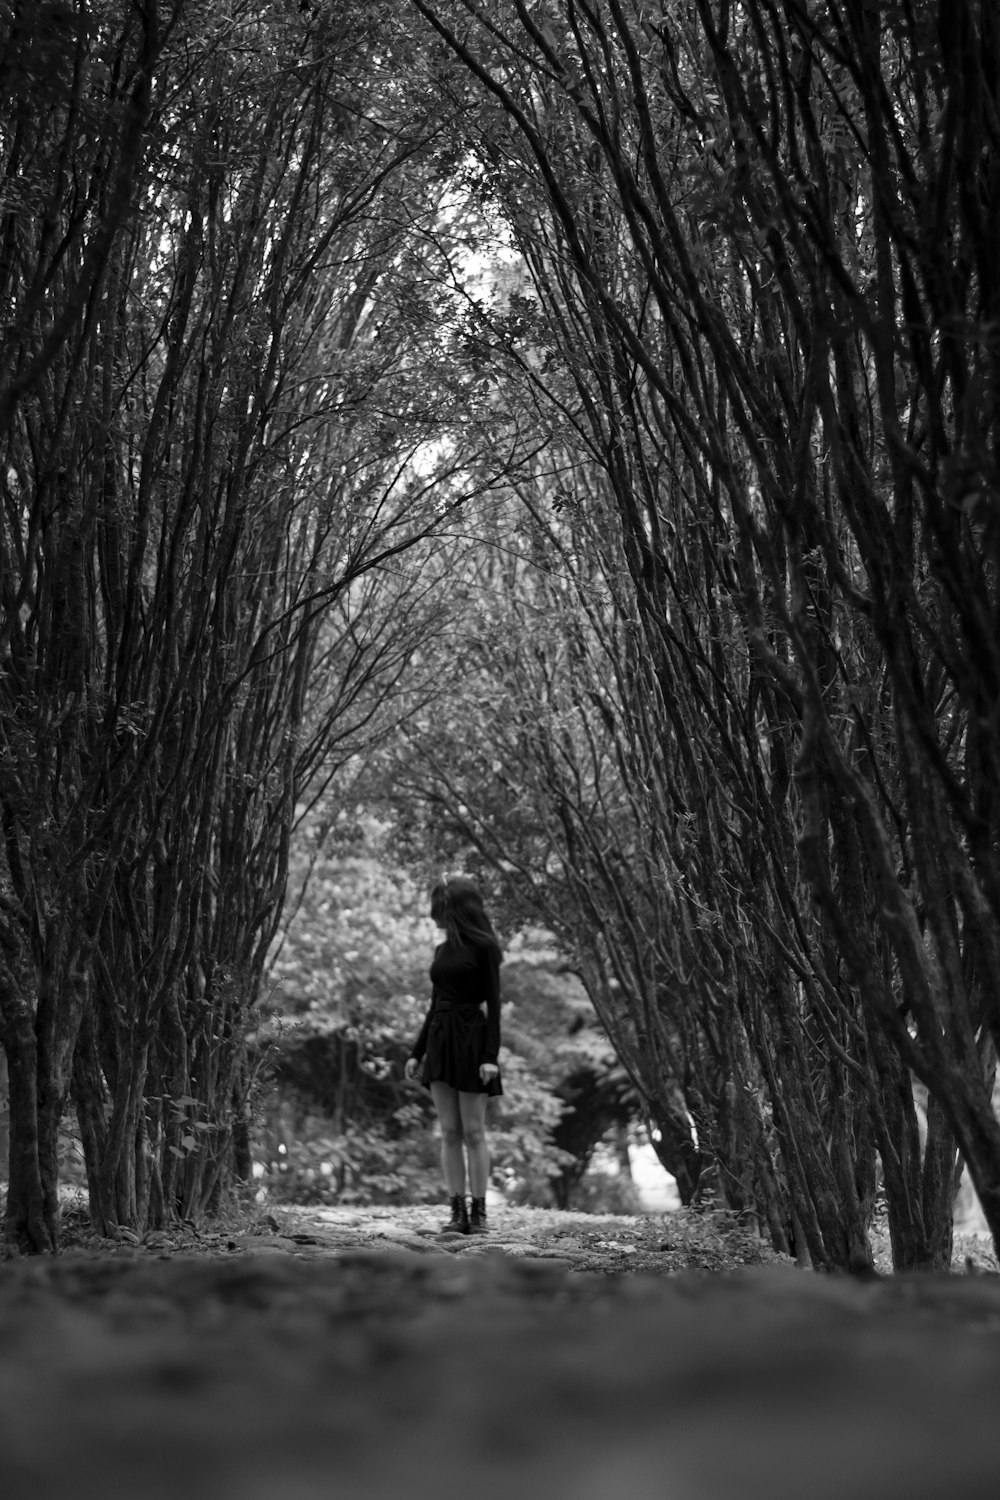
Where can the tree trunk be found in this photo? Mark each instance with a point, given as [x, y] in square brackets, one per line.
[4, 1117]
[977, 1131]
[897, 1135]
[675, 1148]
[940, 1182]
[92, 1104]
[30, 1224]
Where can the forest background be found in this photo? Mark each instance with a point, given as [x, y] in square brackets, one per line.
[557, 438]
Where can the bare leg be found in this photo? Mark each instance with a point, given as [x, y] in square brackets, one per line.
[472, 1110]
[452, 1155]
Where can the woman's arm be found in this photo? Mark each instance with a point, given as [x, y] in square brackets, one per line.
[489, 963]
[420, 1045]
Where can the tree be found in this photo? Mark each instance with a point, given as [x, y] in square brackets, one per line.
[226, 425]
[727, 216]
[81, 91]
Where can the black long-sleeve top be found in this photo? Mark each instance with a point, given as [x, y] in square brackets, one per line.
[466, 976]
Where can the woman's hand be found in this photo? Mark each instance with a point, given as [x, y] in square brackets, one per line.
[488, 1071]
[411, 1068]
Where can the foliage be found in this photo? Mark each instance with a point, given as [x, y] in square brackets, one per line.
[716, 1240]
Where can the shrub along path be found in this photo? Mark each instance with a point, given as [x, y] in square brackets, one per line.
[348, 1355]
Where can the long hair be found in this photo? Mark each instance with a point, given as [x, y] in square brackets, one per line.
[458, 906]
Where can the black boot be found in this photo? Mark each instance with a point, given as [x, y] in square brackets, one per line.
[459, 1221]
[477, 1217]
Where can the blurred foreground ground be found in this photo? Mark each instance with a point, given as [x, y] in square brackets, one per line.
[351, 1358]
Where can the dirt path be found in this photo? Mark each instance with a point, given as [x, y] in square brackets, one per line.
[349, 1356]
[655, 1243]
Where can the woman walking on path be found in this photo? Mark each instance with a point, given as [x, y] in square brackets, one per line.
[455, 1055]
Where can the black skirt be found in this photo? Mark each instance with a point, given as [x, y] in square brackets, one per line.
[456, 1040]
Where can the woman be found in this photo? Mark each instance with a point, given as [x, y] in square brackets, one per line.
[456, 1051]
